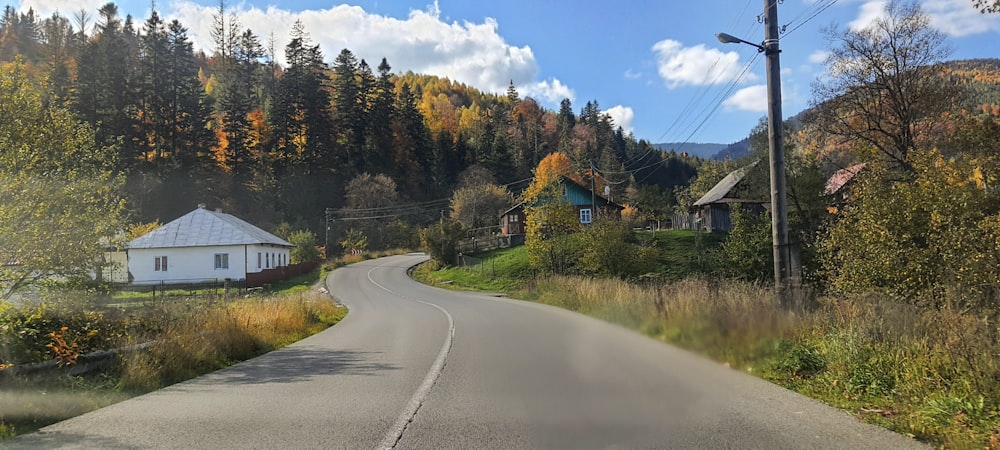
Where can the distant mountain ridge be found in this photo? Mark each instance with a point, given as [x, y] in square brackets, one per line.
[708, 150]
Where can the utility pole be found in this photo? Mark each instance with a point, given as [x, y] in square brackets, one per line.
[326, 226]
[593, 195]
[779, 211]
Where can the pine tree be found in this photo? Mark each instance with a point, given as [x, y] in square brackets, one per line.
[348, 115]
[105, 95]
[378, 152]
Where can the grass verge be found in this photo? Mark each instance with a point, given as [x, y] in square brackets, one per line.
[191, 337]
[930, 374]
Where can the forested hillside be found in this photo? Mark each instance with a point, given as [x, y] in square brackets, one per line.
[280, 141]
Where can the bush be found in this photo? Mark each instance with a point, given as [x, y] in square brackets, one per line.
[747, 253]
[440, 241]
[305, 247]
[610, 248]
[799, 359]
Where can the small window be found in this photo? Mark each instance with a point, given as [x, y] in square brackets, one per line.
[160, 264]
[513, 218]
[585, 215]
[258, 260]
[267, 260]
[222, 260]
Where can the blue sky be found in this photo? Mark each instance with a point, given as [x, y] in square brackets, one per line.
[654, 66]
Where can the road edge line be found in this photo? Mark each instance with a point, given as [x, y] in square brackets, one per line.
[395, 433]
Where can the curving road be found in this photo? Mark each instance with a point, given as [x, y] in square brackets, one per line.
[418, 367]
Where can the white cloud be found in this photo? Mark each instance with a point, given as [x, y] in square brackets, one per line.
[470, 53]
[752, 98]
[545, 91]
[959, 17]
[953, 17]
[698, 65]
[818, 56]
[870, 11]
[45, 8]
[632, 75]
[622, 116]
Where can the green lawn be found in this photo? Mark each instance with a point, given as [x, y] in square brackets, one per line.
[682, 254]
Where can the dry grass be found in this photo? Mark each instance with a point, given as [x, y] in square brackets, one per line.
[223, 334]
[191, 337]
[933, 374]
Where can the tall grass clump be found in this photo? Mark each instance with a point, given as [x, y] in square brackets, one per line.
[736, 322]
[930, 373]
[223, 334]
[181, 338]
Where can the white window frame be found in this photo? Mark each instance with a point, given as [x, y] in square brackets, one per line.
[160, 264]
[586, 215]
[222, 260]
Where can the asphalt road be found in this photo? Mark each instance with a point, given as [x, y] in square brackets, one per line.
[418, 367]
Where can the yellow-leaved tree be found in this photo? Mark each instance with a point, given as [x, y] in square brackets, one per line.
[550, 220]
[60, 200]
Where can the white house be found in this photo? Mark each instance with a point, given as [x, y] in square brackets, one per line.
[204, 246]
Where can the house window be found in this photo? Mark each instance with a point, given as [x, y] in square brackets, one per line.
[160, 264]
[258, 260]
[267, 260]
[513, 217]
[585, 215]
[222, 260]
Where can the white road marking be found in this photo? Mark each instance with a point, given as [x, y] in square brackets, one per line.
[395, 433]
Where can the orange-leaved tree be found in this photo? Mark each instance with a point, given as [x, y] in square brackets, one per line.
[549, 217]
[548, 172]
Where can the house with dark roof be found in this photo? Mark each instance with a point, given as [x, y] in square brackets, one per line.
[712, 210]
[204, 246]
[578, 195]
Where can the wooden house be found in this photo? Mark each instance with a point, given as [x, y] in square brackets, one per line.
[512, 221]
[712, 210]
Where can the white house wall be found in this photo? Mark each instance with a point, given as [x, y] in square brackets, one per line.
[197, 264]
[186, 264]
[271, 256]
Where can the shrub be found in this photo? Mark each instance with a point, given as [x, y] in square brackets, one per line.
[799, 359]
[305, 247]
[747, 252]
[440, 241]
[610, 248]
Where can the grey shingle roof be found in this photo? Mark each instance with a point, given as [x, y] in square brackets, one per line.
[722, 188]
[202, 227]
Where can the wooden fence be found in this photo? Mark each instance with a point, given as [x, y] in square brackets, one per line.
[269, 276]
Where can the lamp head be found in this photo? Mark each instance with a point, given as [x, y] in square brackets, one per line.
[728, 38]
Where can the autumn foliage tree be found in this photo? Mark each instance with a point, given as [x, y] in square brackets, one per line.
[931, 240]
[60, 200]
[480, 205]
[885, 86]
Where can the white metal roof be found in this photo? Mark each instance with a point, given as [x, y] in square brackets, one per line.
[202, 227]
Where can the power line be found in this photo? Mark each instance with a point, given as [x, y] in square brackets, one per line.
[398, 210]
[820, 8]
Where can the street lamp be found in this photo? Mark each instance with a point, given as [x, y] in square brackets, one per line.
[779, 213]
[730, 39]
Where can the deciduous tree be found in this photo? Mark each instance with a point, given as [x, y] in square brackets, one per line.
[884, 83]
[60, 203]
